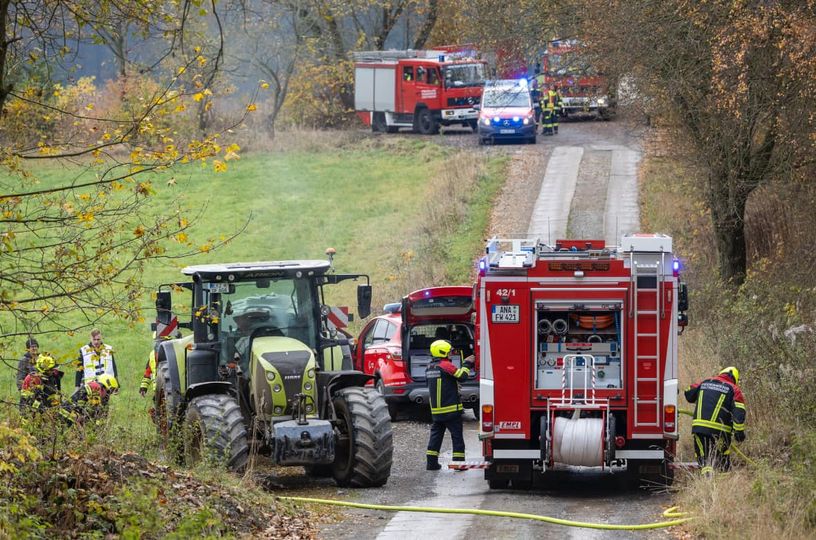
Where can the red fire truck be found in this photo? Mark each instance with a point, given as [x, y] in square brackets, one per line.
[577, 345]
[421, 90]
[583, 90]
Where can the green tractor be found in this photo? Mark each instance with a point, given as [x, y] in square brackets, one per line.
[265, 371]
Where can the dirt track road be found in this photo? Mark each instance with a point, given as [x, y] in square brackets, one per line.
[580, 183]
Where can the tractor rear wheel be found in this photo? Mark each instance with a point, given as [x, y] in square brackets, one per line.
[165, 412]
[364, 447]
[214, 430]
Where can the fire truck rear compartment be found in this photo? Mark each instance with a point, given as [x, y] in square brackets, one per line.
[570, 343]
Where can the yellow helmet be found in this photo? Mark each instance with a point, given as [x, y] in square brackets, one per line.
[440, 348]
[109, 382]
[45, 363]
[734, 372]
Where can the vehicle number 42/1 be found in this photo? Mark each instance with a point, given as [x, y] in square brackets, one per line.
[505, 313]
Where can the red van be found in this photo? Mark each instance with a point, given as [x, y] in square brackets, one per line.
[395, 346]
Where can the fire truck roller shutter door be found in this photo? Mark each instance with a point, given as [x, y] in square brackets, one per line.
[577, 441]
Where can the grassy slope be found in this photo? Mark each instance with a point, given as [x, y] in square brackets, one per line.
[773, 495]
[366, 201]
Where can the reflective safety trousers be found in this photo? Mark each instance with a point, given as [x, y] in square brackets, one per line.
[443, 388]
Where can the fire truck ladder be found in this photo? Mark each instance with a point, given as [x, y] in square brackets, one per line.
[645, 310]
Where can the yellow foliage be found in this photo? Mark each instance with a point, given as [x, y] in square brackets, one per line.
[219, 166]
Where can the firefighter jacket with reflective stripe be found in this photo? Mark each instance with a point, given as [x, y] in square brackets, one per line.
[719, 406]
[443, 388]
[41, 389]
[552, 101]
[149, 372]
[94, 362]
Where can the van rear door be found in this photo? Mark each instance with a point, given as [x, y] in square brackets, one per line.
[436, 313]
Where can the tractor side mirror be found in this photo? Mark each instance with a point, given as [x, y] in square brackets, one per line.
[364, 300]
[682, 298]
[164, 305]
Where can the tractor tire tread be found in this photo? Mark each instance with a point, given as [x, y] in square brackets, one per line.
[372, 438]
[223, 426]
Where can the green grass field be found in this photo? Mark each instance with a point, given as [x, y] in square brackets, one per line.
[365, 200]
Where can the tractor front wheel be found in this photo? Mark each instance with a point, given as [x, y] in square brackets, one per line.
[214, 431]
[364, 447]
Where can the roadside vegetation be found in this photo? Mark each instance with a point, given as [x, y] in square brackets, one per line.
[388, 205]
[765, 327]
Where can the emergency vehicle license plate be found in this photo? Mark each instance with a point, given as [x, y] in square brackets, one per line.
[505, 313]
[507, 131]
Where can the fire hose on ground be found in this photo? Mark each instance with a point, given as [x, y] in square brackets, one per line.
[674, 516]
[668, 513]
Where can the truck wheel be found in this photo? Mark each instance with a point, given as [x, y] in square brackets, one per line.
[426, 123]
[474, 125]
[214, 430]
[651, 474]
[378, 122]
[392, 408]
[497, 483]
[364, 447]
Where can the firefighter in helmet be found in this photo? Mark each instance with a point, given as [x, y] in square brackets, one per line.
[90, 401]
[719, 412]
[554, 102]
[446, 408]
[41, 388]
[547, 111]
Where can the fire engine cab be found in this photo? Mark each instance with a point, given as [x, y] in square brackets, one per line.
[421, 90]
[577, 345]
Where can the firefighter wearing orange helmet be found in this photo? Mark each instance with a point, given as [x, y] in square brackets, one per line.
[719, 412]
[446, 408]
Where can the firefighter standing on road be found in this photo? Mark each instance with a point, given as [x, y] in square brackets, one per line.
[546, 114]
[554, 99]
[446, 407]
[719, 411]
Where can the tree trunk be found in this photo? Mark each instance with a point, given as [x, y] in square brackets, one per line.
[4, 47]
[728, 218]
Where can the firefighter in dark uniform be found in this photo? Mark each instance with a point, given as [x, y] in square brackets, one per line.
[446, 407]
[719, 412]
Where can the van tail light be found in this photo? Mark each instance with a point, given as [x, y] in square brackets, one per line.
[487, 418]
[669, 418]
[395, 352]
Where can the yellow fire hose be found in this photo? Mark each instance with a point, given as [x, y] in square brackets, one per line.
[675, 517]
[669, 513]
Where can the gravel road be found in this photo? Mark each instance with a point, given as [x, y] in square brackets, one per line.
[580, 183]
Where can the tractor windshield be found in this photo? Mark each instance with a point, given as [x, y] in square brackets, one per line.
[283, 307]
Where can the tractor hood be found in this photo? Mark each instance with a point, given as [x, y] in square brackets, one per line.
[281, 367]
